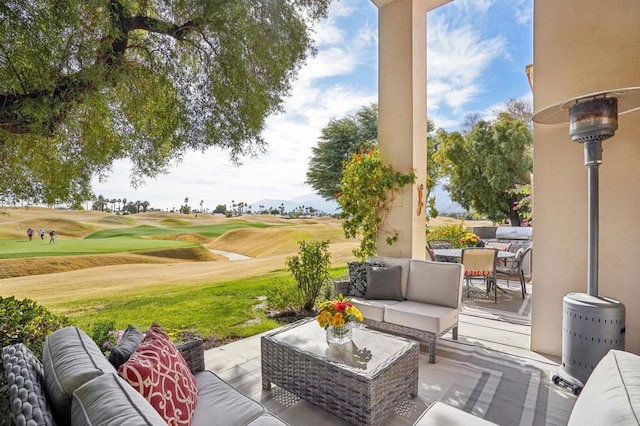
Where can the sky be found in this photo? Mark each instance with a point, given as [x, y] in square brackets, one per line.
[477, 51]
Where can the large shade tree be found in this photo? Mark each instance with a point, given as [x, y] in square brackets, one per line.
[345, 137]
[86, 82]
[484, 165]
[339, 141]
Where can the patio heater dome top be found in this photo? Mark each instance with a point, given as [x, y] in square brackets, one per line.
[628, 101]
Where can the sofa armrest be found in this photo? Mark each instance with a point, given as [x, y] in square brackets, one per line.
[340, 286]
[193, 352]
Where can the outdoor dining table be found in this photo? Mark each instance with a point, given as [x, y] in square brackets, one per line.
[456, 254]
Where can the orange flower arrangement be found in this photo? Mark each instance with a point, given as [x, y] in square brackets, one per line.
[338, 312]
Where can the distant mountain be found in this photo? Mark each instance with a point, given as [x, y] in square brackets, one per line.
[443, 203]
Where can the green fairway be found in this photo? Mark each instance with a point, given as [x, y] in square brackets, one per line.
[11, 249]
[206, 230]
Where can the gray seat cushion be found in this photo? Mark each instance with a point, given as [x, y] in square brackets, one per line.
[70, 359]
[219, 403]
[109, 400]
[421, 316]
[25, 377]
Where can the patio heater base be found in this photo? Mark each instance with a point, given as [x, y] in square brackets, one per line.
[591, 326]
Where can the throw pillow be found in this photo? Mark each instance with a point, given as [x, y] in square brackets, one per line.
[127, 345]
[384, 283]
[358, 277]
[26, 386]
[158, 372]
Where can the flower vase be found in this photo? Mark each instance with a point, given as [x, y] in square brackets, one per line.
[339, 335]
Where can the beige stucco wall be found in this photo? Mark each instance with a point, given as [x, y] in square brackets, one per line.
[583, 46]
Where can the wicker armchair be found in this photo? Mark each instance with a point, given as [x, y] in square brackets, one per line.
[193, 353]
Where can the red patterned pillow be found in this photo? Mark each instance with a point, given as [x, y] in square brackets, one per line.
[159, 372]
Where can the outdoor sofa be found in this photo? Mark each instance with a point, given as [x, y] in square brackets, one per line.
[611, 397]
[77, 385]
[414, 298]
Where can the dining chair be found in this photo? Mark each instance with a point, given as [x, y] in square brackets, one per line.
[480, 262]
[439, 244]
[500, 245]
[513, 269]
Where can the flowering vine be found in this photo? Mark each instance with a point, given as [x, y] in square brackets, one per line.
[368, 189]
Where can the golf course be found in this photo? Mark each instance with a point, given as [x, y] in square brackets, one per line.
[160, 267]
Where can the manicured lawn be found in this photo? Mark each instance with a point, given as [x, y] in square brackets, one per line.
[221, 309]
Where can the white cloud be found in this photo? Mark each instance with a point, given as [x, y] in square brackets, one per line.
[523, 12]
[457, 58]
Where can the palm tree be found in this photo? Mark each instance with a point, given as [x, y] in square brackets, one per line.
[119, 201]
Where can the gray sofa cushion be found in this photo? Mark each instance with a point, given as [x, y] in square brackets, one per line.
[611, 395]
[421, 316]
[127, 346]
[70, 359]
[109, 400]
[436, 283]
[25, 377]
[220, 403]
[384, 283]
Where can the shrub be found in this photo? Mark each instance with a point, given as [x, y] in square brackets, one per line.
[310, 268]
[451, 233]
[284, 297]
[23, 321]
[103, 333]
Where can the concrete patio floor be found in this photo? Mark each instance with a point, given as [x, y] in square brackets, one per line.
[239, 362]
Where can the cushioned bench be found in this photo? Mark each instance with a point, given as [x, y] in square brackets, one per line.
[414, 298]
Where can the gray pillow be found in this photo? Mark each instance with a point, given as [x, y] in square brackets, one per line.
[108, 399]
[384, 283]
[70, 359]
[127, 345]
[26, 386]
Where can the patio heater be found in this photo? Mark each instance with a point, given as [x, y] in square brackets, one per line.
[591, 324]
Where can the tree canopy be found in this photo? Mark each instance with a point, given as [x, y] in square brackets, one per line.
[484, 166]
[86, 82]
[339, 141]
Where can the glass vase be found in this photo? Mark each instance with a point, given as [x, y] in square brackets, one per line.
[339, 335]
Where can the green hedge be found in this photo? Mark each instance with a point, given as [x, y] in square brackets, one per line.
[23, 321]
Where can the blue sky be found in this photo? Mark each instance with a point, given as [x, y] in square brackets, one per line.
[477, 51]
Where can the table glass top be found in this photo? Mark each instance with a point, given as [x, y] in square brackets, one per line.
[368, 352]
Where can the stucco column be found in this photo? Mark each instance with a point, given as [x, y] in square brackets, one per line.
[580, 47]
[402, 120]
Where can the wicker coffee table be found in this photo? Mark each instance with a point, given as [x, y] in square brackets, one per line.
[360, 382]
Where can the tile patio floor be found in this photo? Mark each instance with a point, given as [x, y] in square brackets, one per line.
[239, 362]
